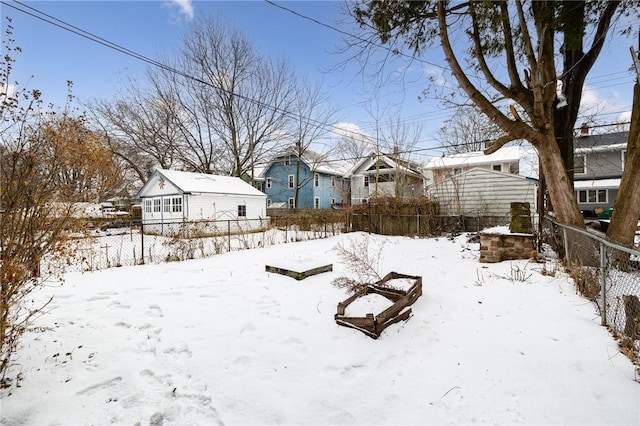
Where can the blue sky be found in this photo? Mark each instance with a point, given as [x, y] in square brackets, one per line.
[151, 28]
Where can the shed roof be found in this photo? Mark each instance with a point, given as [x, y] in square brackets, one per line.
[205, 183]
[506, 153]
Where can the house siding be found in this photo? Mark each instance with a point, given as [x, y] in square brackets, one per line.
[279, 172]
[481, 192]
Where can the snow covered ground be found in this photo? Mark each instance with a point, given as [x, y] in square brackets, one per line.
[221, 341]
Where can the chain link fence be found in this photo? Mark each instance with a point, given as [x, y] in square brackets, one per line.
[126, 243]
[606, 273]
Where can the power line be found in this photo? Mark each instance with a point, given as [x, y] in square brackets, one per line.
[97, 39]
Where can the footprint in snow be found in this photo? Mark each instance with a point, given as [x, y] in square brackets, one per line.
[155, 311]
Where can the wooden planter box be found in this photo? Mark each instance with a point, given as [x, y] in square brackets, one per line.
[372, 325]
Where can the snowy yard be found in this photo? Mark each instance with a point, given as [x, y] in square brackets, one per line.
[221, 341]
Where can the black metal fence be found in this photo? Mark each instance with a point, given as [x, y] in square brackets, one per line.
[126, 243]
[606, 273]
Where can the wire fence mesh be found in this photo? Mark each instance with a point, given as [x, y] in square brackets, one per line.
[132, 242]
[606, 273]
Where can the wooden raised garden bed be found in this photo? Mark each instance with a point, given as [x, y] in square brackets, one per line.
[400, 297]
[299, 269]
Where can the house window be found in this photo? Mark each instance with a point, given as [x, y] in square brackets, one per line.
[594, 196]
[316, 202]
[292, 203]
[176, 204]
[316, 180]
[366, 181]
[496, 167]
[156, 205]
[147, 206]
[333, 201]
[579, 165]
[242, 210]
[259, 186]
[287, 160]
[624, 158]
[333, 181]
[268, 182]
[291, 181]
[269, 202]
[167, 205]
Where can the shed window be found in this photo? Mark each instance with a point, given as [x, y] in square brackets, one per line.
[242, 210]
[147, 206]
[156, 205]
[176, 204]
[497, 167]
[167, 205]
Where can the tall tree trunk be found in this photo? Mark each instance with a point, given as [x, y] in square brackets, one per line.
[623, 226]
[558, 183]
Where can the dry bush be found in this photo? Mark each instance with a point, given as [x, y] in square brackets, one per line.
[36, 202]
[362, 260]
[587, 282]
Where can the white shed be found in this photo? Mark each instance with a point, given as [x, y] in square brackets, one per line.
[171, 199]
[483, 192]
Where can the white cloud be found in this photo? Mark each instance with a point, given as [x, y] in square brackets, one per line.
[350, 131]
[185, 7]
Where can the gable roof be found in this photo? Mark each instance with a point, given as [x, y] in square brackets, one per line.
[404, 166]
[189, 182]
[602, 140]
[318, 163]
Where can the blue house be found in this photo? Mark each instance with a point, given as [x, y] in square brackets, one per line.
[316, 180]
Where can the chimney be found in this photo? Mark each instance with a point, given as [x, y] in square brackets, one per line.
[584, 129]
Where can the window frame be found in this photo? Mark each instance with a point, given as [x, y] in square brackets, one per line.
[269, 182]
[291, 181]
[242, 210]
[176, 204]
[583, 171]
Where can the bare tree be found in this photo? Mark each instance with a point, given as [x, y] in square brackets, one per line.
[306, 128]
[399, 139]
[140, 129]
[236, 107]
[352, 143]
[468, 130]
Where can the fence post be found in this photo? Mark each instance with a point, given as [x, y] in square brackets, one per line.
[565, 241]
[142, 242]
[603, 284]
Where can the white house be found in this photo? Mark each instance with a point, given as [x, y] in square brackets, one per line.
[170, 199]
[483, 192]
[521, 159]
[385, 175]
